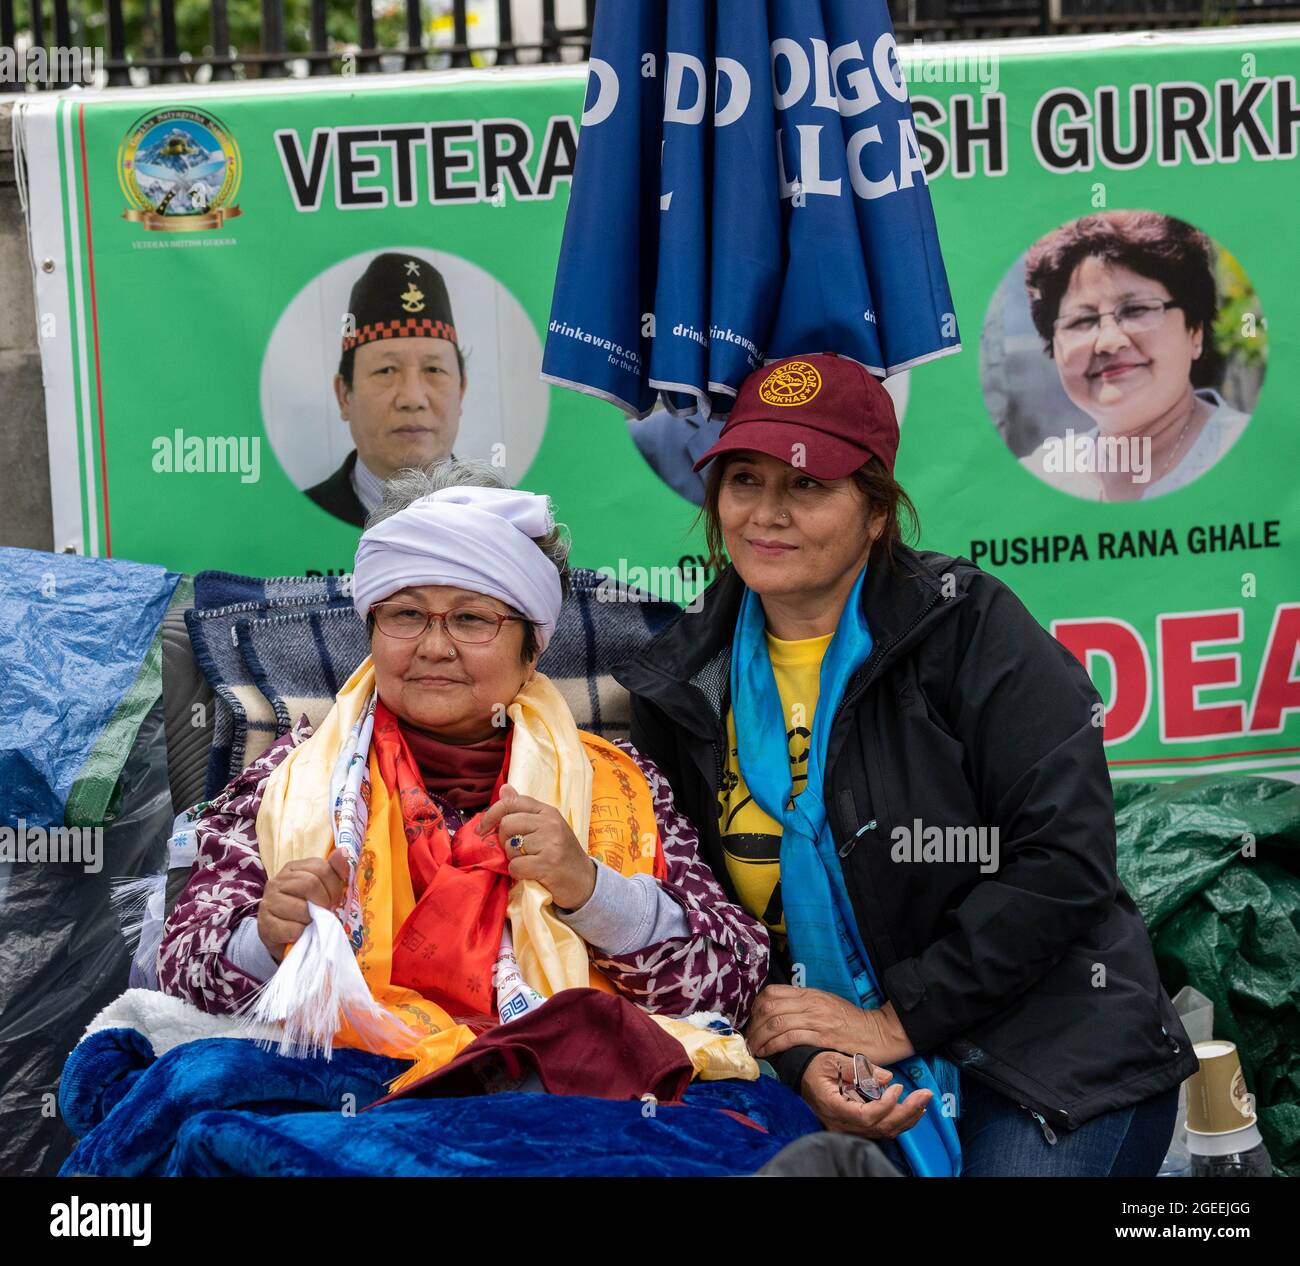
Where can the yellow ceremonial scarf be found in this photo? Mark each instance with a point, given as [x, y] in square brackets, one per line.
[596, 786]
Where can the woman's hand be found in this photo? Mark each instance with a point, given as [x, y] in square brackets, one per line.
[550, 854]
[786, 1016]
[282, 915]
[885, 1118]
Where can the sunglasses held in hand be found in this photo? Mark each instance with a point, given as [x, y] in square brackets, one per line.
[864, 1084]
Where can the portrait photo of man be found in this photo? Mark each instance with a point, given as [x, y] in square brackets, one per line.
[400, 383]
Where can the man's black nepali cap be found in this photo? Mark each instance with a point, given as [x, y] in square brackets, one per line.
[399, 296]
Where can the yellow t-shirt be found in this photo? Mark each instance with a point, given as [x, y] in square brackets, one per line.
[751, 841]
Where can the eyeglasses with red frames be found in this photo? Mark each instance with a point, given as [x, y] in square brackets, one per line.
[468, 624]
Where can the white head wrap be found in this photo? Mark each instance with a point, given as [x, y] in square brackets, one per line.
[474, 538]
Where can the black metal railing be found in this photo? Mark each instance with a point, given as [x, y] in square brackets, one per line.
[143, 41]
[161, 41]
[998, 19]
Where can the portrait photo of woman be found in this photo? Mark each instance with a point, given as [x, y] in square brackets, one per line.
[1126, 366]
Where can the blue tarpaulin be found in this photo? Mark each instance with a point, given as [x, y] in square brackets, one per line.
[748, 186]
[80, 666]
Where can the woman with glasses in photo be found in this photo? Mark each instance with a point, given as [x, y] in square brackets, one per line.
[1125, 302]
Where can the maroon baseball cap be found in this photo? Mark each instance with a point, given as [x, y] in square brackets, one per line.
[830, 405]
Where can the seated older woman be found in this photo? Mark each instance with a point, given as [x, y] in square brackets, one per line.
[448, 849]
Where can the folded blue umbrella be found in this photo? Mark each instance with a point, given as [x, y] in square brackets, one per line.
[80, 666]
[749, 185]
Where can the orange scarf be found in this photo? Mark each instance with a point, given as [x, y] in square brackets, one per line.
[446, 947]
[434, 904]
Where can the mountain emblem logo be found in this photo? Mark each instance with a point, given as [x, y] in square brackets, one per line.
[795, 382]
[180, 171]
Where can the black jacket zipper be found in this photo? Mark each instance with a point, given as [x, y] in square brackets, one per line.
[850, 699]
[1048, 1133]
[1034, 1108]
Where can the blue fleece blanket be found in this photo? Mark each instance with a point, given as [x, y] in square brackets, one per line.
[223, 1106]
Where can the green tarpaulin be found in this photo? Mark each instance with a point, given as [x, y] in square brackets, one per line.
[1214, 866]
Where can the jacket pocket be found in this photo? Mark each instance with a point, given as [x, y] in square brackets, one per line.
[1090, 1026]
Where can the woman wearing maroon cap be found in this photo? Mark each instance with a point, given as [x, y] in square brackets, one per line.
[901, 773]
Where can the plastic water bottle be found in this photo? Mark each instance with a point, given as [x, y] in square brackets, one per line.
[1240, 1154]
[1178, 1160]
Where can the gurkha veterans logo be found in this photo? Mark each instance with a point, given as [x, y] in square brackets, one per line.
[795, 382]
[180, 171]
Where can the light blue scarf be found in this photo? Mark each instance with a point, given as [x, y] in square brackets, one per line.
[820, 923]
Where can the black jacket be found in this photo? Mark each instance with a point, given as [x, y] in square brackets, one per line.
[336, 495]
[1037, 978]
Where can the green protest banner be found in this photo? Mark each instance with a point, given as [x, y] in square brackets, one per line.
[1157, 542]
[1115, 441]
[204, 254]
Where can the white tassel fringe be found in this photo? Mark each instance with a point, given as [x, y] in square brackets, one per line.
[140, 906]
[317, 984]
